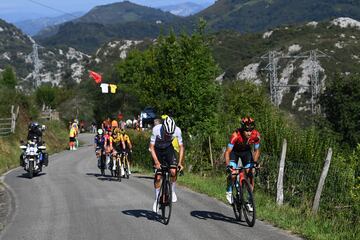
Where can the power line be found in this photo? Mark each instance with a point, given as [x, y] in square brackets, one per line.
[52, 8]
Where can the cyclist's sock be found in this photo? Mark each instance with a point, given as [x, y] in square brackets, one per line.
[173, 186]
[157, 191]
[229, 188]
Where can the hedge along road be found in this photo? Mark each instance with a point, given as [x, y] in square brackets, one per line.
[69, 200]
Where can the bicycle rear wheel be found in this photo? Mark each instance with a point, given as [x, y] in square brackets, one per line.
[126, 167]
[102, 165]
[248, 203]
[117, 171]
[236, 202]
[165, 201]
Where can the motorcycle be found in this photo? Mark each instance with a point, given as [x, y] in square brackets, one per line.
[33, 157]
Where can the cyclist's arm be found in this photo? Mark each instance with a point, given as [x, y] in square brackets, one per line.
[227, 154]
[122, 142]
[95, 142]
[256, 154]
[178, 135]
[130, 145]
[181, 154]
[155, 132]
[153, 154]
[229, 148]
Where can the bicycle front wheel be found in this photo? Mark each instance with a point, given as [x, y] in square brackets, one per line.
[248, 203]
[165, 201]
[236, 202]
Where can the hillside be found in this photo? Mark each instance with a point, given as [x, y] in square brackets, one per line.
[56, 65]
[240, 56]
[125, 12]
[33, 26]
[260, 15]
[124, 20]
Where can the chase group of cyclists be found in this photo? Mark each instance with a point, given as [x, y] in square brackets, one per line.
[166, 147]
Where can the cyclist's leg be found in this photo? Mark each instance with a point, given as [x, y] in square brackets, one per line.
[172, 163]
[231, 179]
[234, 157]
[157, 177]
[157, 180]
[128, 160]
[247, 158]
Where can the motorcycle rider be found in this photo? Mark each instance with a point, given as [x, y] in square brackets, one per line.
[35, 134]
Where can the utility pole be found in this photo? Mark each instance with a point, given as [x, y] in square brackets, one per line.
[273, 58]
[36, 73]
[315, 83]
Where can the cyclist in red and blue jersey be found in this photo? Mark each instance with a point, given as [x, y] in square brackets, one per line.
[245, 145]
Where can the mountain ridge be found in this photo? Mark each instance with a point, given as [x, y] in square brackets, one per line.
[259, 15]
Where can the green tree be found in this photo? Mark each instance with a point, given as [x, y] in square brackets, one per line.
[45, 95]
[8, 78]
[177, 77]
[341, 102]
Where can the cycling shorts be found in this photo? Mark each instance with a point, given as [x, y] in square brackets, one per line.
[245, 156]
[167, 156]
[72, 139]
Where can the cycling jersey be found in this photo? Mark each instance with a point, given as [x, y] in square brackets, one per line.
[176, 145]
[239, 144]
[162, 140]
[99, 141]
[122, 138]
[126, 140]
[108, 140]
[72, 133]
[241, 147]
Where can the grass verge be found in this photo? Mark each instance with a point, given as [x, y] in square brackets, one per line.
[55, 136]
[299, 221]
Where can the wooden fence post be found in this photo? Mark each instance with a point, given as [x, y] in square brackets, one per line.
[17, 111]
[13, 119]
[211, 156]
[280, 181]
[322, 181]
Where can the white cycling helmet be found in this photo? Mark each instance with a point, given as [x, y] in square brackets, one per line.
[100, 131]
[169, 125]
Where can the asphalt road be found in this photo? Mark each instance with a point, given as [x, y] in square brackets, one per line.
[69, 200]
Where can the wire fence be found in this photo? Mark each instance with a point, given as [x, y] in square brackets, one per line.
[8, 125]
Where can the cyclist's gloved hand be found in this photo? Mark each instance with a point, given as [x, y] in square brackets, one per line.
[256, 165]
[229, 168]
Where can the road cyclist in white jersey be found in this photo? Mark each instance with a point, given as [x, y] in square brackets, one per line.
[162, 152]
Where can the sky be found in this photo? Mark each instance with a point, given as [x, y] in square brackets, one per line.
[18, 10]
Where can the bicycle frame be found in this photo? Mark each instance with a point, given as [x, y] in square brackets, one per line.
[243, 194]
[165, 197]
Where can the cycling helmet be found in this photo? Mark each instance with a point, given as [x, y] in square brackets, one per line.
[164, 116]
[247, 124]
[169, 125]
[76, 121]
[116, 130]
[100, 131]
